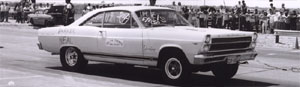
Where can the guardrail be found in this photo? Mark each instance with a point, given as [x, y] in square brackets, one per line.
[292, 33]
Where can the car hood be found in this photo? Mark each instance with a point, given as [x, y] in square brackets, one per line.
[214, 32]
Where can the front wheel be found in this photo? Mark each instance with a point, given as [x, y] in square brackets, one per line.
[175, 70]
[72, 59]
[225, 71]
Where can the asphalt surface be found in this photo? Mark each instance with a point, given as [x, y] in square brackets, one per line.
[22, 64]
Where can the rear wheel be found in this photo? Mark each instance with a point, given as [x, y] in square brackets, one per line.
[72, 59]
[175, 69]
[31, 21]
[47, 23]
[225, 71]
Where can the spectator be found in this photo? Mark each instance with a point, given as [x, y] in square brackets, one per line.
[264, 22]
[47, 6]
[193, 17]
[2, 13]
[41, 6]
[233, 17]
[25, 12]
[185, 11]
[272, 10]
[6, 12]
[238, 8]
[283, 9]
[293, 20]
[69, 15]
[256, 20]
[89, 7]
[18, 9]
[174, 3]
[178, 7]
[244, 7]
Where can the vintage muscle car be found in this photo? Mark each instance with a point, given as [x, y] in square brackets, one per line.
[40, 17]
[157, 37]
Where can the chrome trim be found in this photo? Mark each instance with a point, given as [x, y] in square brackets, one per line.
[200, 59]
[124, 60]
[229, 50]
[231, 42]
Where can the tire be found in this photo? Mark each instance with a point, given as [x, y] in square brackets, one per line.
[225, 71]
[32, 22]
[47, 23]
[72, 59]
[175, 69]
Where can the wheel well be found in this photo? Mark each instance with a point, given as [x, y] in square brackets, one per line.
[169, 51]
[65, 47]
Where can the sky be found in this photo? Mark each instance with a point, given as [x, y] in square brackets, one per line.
[251, 3]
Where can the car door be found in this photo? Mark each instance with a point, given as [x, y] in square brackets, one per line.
[121, 37]
[94, 32]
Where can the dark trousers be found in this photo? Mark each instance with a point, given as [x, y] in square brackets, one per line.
[6, 14]
[19, 17]
[2, 13]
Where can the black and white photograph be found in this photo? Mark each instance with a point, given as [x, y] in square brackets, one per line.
[149, 43]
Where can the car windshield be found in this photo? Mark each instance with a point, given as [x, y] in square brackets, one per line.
[156, 18]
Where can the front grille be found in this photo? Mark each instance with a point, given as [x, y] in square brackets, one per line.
[230, 43]
[236, 39]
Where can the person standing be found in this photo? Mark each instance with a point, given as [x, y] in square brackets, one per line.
[256, 20]
[69, 13]
[18, 9]
[6, 12]
[2, 12]
[293, 20]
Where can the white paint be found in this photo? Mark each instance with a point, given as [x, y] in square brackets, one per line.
[21, 77]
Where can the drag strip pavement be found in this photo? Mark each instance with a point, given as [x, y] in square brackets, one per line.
[22, 64]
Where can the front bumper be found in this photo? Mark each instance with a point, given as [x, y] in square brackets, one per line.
[234, 57]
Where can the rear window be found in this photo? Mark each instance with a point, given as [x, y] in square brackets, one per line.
[56, 9]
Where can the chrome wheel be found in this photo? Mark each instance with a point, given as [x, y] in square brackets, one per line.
[71, 56]
[173, 68]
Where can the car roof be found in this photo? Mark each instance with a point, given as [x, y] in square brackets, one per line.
[126, 8]
[132, 8]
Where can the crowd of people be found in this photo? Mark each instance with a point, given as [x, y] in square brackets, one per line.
[20, 11]
[91, 7]
[240, 17]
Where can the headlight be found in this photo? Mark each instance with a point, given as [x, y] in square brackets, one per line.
[206, 48]
[254, 37]
[253, 45]
[207, 39]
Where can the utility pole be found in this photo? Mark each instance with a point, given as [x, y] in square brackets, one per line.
[204, 2]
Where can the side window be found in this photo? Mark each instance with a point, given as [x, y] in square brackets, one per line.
[119, 19]
[96, 20]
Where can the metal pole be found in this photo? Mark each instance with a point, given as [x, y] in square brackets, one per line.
[276, 38]
[296, 44]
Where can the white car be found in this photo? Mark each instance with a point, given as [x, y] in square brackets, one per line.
[150, 36]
